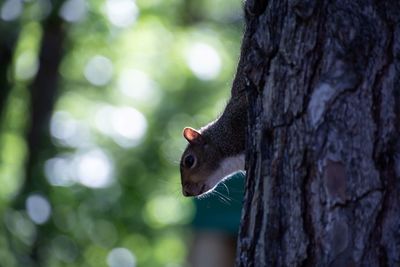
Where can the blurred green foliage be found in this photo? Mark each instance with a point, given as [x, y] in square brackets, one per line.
[105, 188]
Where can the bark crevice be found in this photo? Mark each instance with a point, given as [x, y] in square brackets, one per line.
[324, 125]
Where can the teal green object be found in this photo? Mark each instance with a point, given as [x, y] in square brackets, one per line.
[221, 209]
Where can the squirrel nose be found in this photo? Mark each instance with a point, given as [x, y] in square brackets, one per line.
[188, 189]
[186, 193]
[192, 189]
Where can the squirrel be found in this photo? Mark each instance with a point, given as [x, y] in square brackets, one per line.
[217, 149]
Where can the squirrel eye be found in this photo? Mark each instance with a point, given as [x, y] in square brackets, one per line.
[189, 161]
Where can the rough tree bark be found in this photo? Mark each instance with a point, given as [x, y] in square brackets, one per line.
[323, 161]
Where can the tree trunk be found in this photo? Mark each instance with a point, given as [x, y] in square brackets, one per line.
[43, 96]
[42, 99]
[9, 32]
[323, 161]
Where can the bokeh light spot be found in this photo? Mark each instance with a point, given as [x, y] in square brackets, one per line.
[69, 132]
[73, 10]
[58, 171]
[11, 10]
[125, 125]
[40, 9]
[21, 226]
[103, 119]
[121, 257]
[26, 66]
[165, 210]
[121, 13]
[12, 170]
[204, 61]
[95, 255]
[62, 126]
[175, 251]
[130, 126]
[94, 169]
[98, 71]
[138, 86]
[38, 208]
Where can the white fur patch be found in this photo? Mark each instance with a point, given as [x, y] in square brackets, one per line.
[227, 166]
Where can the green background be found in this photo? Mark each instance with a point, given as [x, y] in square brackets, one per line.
[133, 74]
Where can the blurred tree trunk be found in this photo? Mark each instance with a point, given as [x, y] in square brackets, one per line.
[43, 95]
[323, 162]
[9, 32]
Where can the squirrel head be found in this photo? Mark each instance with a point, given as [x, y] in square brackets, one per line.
[198, 163]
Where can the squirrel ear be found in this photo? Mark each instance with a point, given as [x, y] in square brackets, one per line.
[192, 135]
